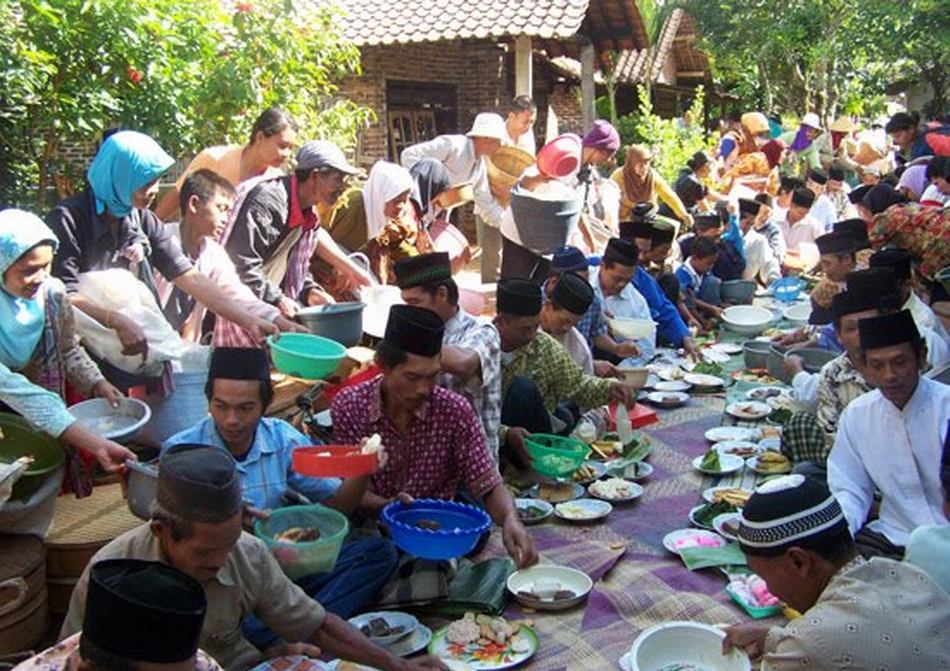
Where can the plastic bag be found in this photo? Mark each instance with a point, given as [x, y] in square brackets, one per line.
[119, 290]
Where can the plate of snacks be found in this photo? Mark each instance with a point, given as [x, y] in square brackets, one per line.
[485, 643]
[715, 463]
[616, 490]
[533, 511]
[740, 448]
[583, 510]
[588, 472]
[749, 410]
[679, 540]
[546, 587]
[737, 496]
[385, 628]
[722, 433]
[556, 492]
[769, 463]
[727, 525]
[703, 515]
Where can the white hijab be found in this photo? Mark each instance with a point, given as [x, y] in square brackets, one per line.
[386, 181]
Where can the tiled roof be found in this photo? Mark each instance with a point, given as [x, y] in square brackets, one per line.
[380, 22]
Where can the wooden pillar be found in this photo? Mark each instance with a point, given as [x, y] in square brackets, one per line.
[524, 74]
[588, 87]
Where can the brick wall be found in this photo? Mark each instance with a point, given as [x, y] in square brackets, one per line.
[565, 100]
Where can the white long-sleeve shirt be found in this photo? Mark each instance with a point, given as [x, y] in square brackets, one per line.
[455, 152]
[805, 230]
[879, 447]
[760, 262]
[823, 211]
[924, 316]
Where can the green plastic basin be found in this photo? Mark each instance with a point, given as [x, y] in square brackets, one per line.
[308, 356]
[21, 439]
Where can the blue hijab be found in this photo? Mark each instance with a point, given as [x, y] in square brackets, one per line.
[126, 162]
[21, 319]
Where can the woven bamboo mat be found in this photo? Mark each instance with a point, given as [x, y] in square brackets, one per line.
[95, 519]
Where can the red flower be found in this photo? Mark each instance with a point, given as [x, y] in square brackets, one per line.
[134, 75]
[244, 7]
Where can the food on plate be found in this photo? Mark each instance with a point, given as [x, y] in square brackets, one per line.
[636, 470]
[707, 368]
[612, 488]
[379, 628]
[698, 540]
[763, 393]
[431, 525]
[780, 415]
[705, 515]
[770, 432]
[730, 527]
[530, 512]
[759, 375]
[742, 450]
[734, 496]
[753, 591]
[483, 629]
[298, 535]
[772, 462]
[585, 473]
[556, 492]
[606, 448]
[464, 631]
[547, 590]
[576, 511]
[747, 409]
[711, 461]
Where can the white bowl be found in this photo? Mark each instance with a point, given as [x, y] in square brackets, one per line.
[636, 377]
[746, 319]
[798, 314]
[117, 424]
[568, 578]
[685, 643]
[393, 619]
[633, 329]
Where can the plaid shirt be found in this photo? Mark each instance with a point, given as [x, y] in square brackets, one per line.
[443, 447]
[549, 366]
[839, 383]
[483, 392]
[593, 324]
[266, 470]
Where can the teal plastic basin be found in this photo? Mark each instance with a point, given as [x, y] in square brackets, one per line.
[308, 356]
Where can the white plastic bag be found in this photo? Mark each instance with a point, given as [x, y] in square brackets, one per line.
[120, 291]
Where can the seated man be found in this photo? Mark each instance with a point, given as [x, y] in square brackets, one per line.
[900, 261]
[731, 261]
[592, 324]
[239, 390]
[470, 349]
[702, 298]
[537, 373]
[856, 614]
[432, 437]
[890, 440]
[196, 528]
[654, 240]
[612, 285]
[140, 616]
[929, 545]
[761, 265]
[565, 305]
[205, 199]
[798, 227]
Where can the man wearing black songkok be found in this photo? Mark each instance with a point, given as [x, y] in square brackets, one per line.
[799, 226]
[795, 537]
[900, 261]
[196, 528]
[566, 303]
[432, 437]
[239, 391]
[890, 440]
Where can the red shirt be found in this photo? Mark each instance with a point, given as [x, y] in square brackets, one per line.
[443, 446]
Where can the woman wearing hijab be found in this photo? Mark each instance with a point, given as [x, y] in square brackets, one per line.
[39, 350]
[758, 170]
[691, 186]
[433, 187]
[272, 143]
[802, 155]
[640, 183]
[109, 225]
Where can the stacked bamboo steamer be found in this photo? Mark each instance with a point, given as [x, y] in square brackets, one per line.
[23, 596]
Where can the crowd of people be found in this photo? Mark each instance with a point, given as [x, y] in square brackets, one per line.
[855, 539]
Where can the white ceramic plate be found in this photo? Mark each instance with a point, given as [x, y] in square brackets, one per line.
[636, 472]
[547, 577]
[749, 410]
[670, 373]
[711, 355]
[470, 658]
[740, 448]
[393, 619]
[701, 380]
[651, 382]
[576, 492]
[728, 463]
[599, 469]
[692, 517]
[721, 433]
[765, 393]
[671, 385]
[708, 493]
[727, 348]
[672, 540]
[668, 399]
[636, 491]
[583, 510]
[540, 504]
[721, 522]
[753, 463]
[774, 444]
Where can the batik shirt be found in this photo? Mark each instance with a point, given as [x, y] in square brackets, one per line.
[839, 383]
[64, 656]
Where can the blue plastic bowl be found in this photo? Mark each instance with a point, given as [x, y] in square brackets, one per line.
[460, 527]
[787, 289]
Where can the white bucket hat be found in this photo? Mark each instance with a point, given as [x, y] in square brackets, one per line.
[489, 124]
[812, 121]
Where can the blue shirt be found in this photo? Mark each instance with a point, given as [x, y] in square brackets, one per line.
[266, 471]
[670, 325]
[828, 339]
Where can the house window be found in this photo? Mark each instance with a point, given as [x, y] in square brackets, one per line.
[418, 111]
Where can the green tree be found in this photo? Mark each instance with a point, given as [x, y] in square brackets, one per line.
[187, 72]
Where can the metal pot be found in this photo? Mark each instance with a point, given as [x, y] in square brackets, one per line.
[813, 357]
[342, 322]
[755, 353]
[142, 484]
[738, 292]
[774, 361]
[181, 409]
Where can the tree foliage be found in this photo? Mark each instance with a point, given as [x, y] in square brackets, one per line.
[188, 72]
[826, 56]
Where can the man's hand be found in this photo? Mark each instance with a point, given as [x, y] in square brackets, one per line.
[318, 297]
[791, 338]
[515, 440]
[427, 663]
[605, 369]
[288, 307]
[259, 328]
[287, 326]
[793, 365]
[356, 276]
[689, 345]
[291, 649]
[518, 542]
[112, 456]
[250, 515]
[105, 389]
[130, 335]
[688, 221]
[627, 349]
[622, 393]
[749, 637]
